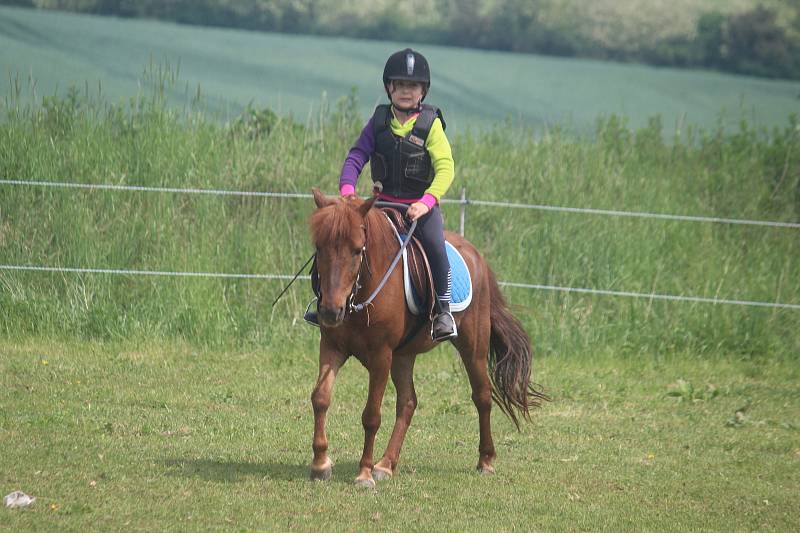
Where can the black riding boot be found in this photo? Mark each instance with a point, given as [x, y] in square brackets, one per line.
[310, 315]
[444, 325]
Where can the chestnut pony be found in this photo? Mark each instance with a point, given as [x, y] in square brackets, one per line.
[355, 245]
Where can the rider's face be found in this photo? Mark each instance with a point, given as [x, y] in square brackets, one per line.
[405, 94]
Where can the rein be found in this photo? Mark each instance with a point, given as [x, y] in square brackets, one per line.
[286, 288]
[355, 308]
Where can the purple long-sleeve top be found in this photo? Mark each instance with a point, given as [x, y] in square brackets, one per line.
[356, 158]
[360, 153]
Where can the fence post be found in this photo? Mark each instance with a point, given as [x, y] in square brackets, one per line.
[463, 209]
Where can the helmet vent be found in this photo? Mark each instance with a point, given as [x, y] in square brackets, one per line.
[410, 64]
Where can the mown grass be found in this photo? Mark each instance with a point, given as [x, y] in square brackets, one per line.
[165, 436]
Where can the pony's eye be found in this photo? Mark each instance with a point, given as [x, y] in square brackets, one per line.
[357, 252]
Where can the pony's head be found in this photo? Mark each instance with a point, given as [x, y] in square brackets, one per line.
[339, 234]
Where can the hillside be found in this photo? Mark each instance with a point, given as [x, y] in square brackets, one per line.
[292, 73]
[753, 37]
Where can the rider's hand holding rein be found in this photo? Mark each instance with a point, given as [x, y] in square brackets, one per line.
[417, 210]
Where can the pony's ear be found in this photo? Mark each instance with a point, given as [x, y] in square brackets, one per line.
[364, 208]
[320, 199]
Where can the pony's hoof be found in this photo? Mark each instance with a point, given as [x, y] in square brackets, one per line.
[381, 474]
[485, 470]
[367, 483]
[322, 474]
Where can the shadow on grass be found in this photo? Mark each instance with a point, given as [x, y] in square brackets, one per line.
[233, 471]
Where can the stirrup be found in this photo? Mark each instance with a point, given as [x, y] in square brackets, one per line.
[446, 336]
[310, 316]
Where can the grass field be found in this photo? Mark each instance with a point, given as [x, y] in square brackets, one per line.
[166, 437]
[291, 73]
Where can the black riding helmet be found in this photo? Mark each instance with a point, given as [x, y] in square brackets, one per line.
[407, 65]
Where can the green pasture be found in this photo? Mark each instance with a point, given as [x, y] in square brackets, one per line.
[290, 74]
[167, 437]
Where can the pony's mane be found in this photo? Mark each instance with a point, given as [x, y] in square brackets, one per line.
[337, 223]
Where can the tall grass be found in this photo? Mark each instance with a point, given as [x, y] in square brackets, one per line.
[83, 138]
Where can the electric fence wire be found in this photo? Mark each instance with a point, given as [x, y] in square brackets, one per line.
[488, 203]
[603, 292]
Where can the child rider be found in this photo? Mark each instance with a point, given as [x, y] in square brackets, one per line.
[410, 155]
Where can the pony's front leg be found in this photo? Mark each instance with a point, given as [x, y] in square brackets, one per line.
[371, 417]
[403, 378]
[330, 361]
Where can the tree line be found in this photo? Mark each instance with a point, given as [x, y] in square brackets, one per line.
[750, 42]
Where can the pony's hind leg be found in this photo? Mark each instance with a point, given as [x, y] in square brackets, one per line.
[403, 379]
[330, 360]
[473, 346]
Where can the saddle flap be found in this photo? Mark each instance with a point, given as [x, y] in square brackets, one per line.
[417, 263]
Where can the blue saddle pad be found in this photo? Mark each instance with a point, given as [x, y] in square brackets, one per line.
[460, 290]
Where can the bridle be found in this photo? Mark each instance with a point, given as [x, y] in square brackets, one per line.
[357, 283]
[353, 307]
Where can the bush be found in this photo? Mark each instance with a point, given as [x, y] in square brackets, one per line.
[748, 43]
[710, 41]
[756, 44]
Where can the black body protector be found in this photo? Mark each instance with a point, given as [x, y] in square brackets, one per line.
[403, 164]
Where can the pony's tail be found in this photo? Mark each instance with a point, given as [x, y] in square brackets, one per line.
[510, 357]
